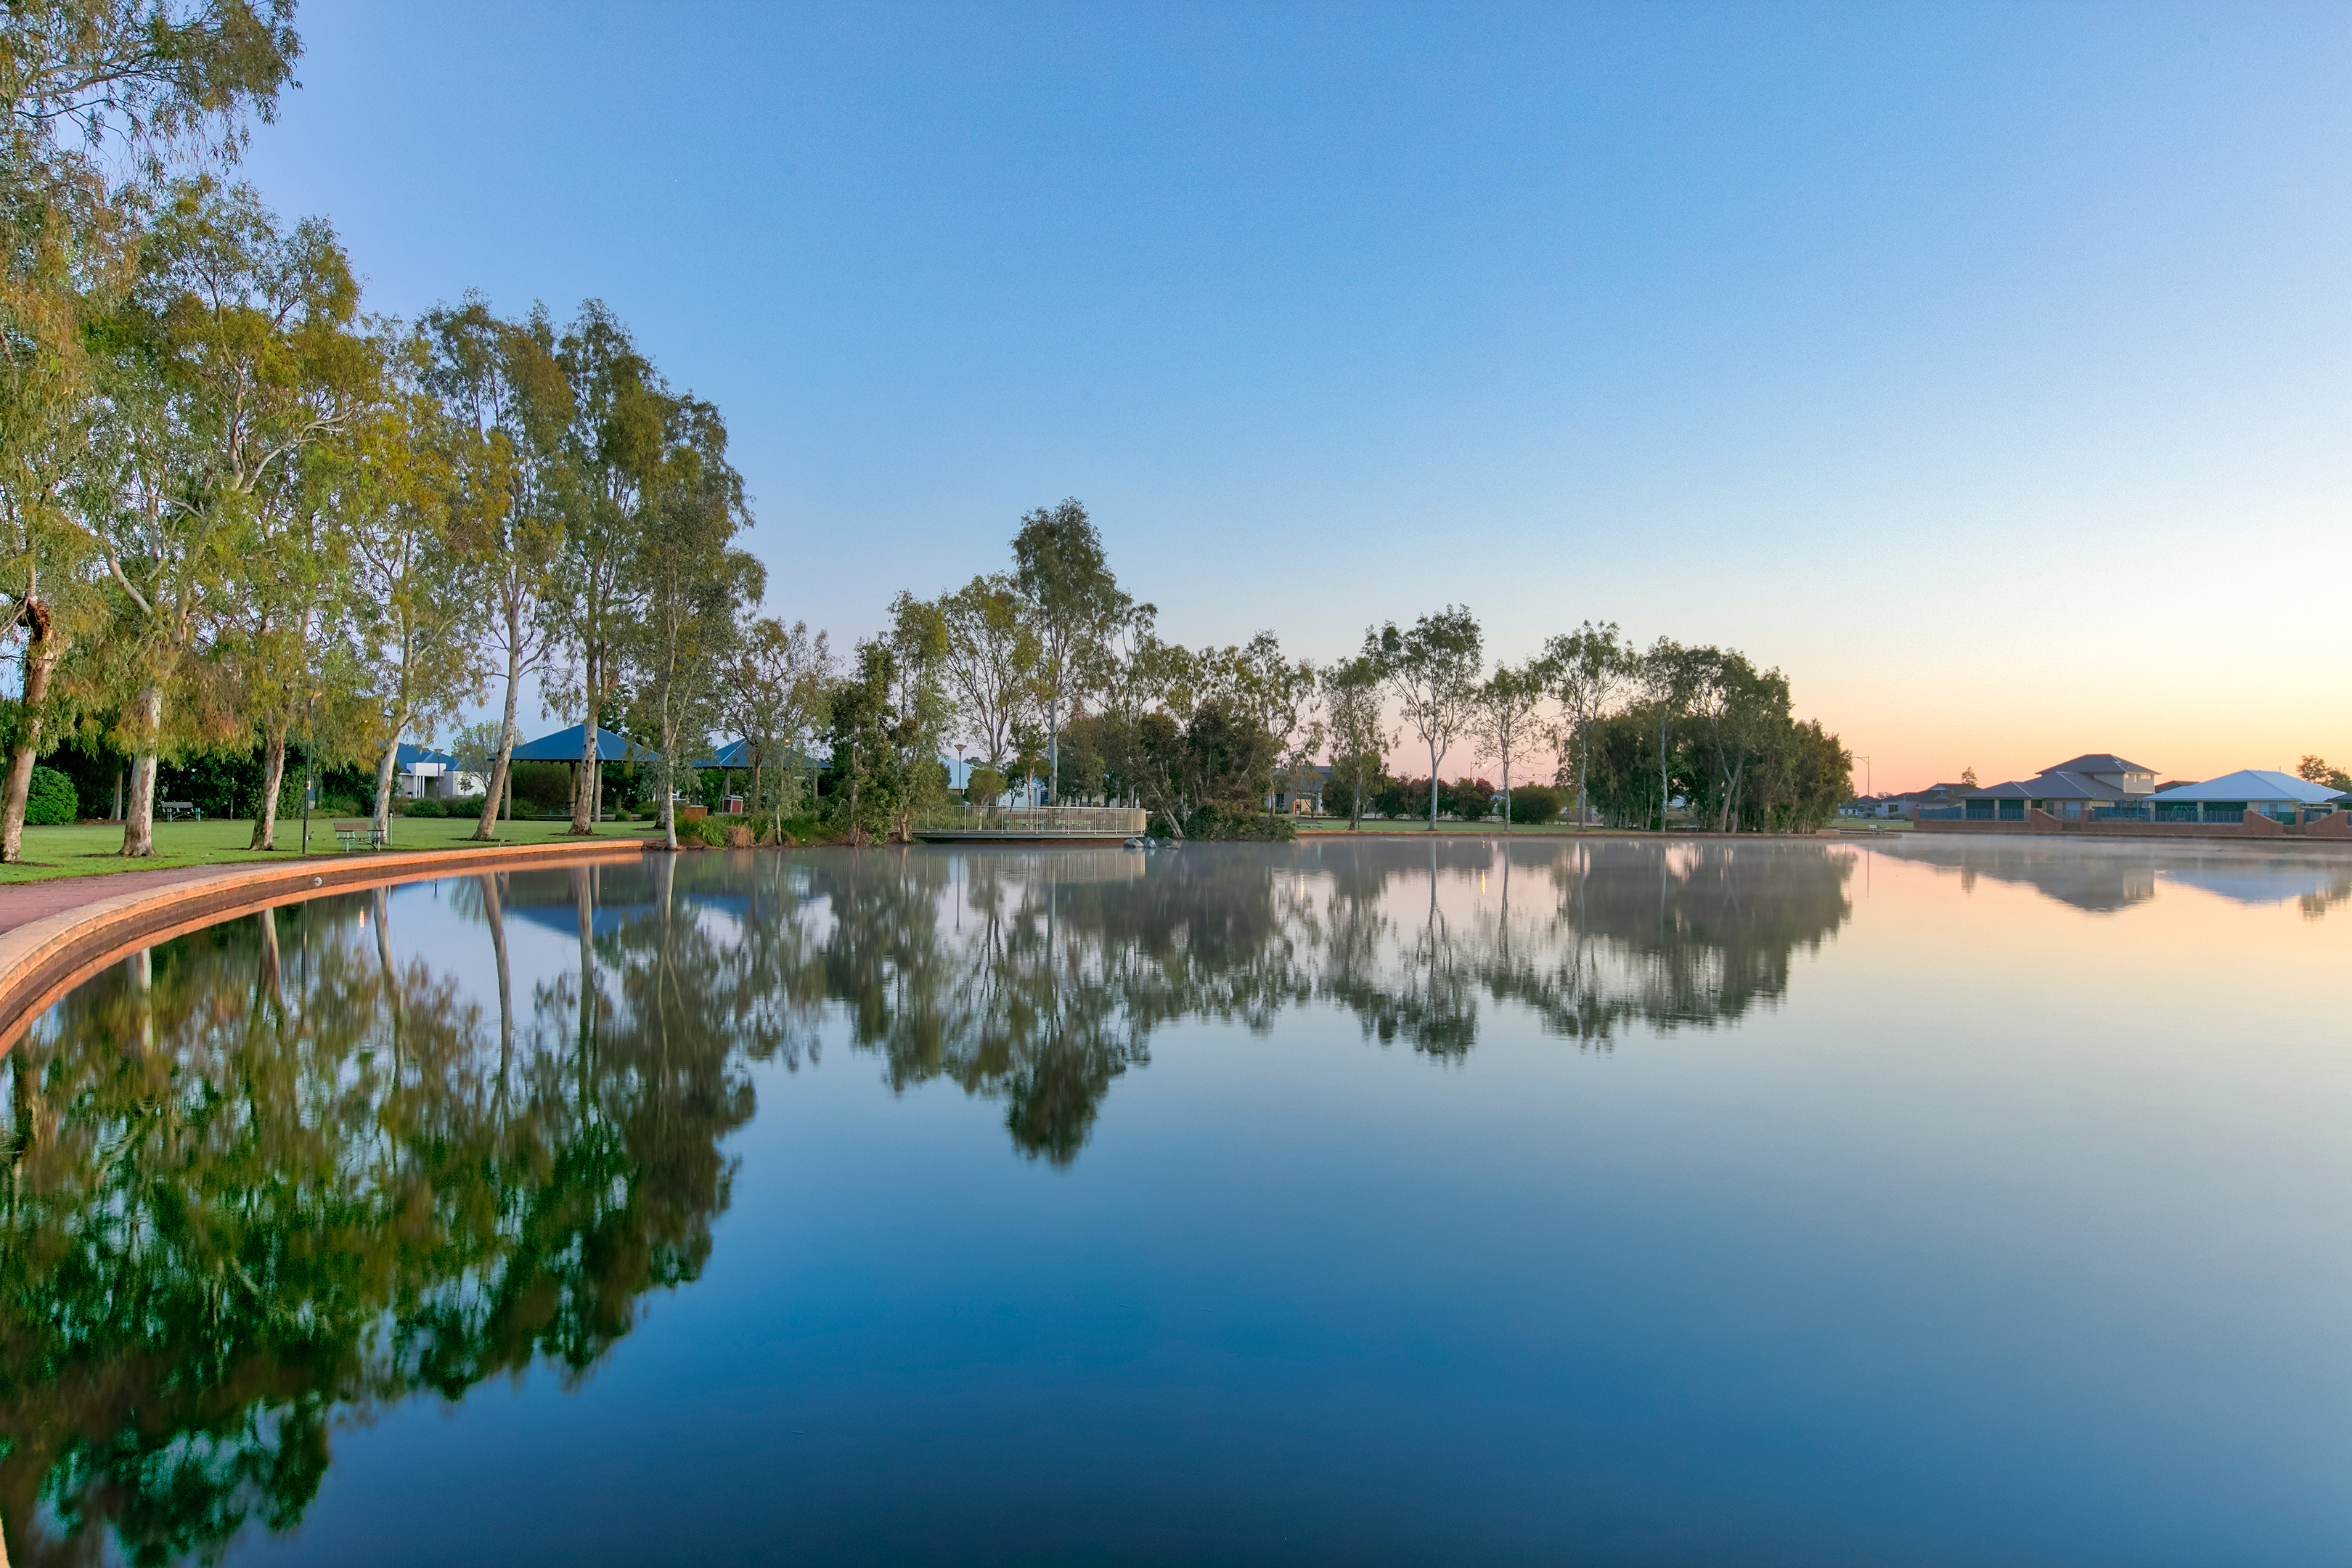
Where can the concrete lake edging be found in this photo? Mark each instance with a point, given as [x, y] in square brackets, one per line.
[43, 959]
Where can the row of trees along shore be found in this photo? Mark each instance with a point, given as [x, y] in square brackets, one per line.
[239, 509]
[1051, 671]
[243, 516]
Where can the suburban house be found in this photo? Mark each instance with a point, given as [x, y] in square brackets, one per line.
[2102, 793]
[2070, 790]
[1301, 795]
[1906, 805]
[2279, 795]
[424, 774]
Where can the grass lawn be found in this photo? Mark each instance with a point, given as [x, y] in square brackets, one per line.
[89, 848]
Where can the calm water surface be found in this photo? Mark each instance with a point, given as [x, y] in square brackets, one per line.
[1373, 1202]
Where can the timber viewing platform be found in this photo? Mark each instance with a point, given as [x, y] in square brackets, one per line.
[1033, 825]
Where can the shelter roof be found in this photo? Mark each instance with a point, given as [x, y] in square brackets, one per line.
[565, 746]
[729, 754]
[2254, 783]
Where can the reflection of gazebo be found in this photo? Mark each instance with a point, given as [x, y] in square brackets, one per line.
[565, 746]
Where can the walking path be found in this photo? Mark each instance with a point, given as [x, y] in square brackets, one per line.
[22, 903]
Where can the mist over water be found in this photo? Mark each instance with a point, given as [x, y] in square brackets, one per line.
[1355, 1201]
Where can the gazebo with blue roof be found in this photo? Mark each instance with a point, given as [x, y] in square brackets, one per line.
[565, 746]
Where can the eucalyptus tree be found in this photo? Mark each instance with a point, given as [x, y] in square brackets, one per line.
[1664, 677]
[1278, 695]
[236, 356]
[1504, 722]
[1740, 711]
[1074, 605]
[620, 413]
[412, 596]
[509, 404]
[103, 98]
[1359, 741]
[990, 662]
[1588, 670]
[776, 697]
[47, 588]
[695, 584]
[284, 626]
[1432, 668]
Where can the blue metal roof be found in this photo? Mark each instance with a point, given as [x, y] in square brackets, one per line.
[2250, 784]
[565, 746]
[733, 754]
[408, 756]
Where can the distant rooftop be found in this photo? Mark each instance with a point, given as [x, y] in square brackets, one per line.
[2098, 763]
[2254, 783]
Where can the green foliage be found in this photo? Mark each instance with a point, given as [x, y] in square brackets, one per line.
[1224, 824]
[983, 786]
[51, 800]
[542, 787]
[1469, 800]
[426, 806]
[885, 768]
[1222, 757]
[1395, 797]
[1532, 803]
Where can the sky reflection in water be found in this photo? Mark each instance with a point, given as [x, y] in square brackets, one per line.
[1366, 1202]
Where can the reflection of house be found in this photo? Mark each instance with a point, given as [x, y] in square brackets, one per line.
[424, 774]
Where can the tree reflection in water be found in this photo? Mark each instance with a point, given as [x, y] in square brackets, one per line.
[265, 1178]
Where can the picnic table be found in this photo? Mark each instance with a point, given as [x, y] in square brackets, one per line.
[172, 810]
[348, 834]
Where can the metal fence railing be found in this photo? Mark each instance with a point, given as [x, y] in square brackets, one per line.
[1037, 821]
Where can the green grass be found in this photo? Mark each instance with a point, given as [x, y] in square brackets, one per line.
[90, 849]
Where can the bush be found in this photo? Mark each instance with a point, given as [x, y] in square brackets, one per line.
[51, 799]
[1225, 825]
[427, 807]
[542, 787]
[1535, 802]
[1471, 800]
[341, 806]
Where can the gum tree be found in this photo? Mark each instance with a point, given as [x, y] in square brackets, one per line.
[1504, 722]
[1431, 668]
[1588, 670]
[1073, 608]
[506, 405]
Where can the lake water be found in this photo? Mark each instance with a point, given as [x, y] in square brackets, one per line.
[1375, 1202]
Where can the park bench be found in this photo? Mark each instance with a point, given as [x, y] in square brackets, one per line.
[349, 834]
[172, 810]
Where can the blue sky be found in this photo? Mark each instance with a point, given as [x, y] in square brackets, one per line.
[1984, 368]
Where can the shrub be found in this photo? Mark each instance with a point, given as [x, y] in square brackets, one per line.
[427, 807]
[1535, 802]
[542, 787]
[1219, 823]
[51, 799]
[1471, 800]
[739, 836]
[341, 806]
